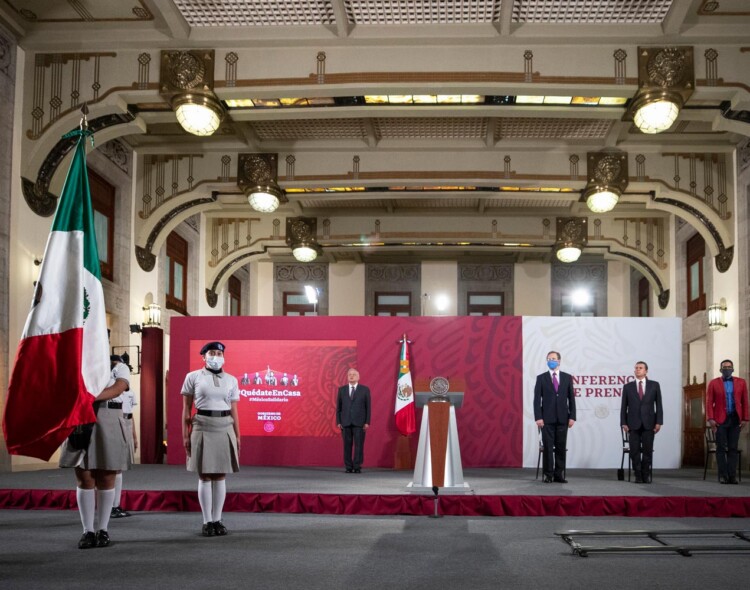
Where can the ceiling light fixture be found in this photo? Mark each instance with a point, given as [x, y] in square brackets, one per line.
[666, 79]
[186, 82]
[257, 177]
[572, 236]
[607, 179]
[301, 238]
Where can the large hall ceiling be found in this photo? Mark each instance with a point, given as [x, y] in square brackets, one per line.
[382, 48]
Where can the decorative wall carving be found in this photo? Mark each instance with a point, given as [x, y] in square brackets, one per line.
[118, 154]
[393, 273]
[313, 271]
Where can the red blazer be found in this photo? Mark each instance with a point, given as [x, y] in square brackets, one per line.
[716, 400]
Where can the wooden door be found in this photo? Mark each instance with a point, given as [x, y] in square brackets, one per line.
[694, 423]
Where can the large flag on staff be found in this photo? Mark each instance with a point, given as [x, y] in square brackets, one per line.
[405, 419]
[63, 356]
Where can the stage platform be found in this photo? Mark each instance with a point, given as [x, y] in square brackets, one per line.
[322, 490]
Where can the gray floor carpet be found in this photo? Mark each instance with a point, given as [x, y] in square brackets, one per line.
[279, 551]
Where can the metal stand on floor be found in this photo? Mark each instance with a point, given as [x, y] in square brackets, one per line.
[435, 514]
[684, 549]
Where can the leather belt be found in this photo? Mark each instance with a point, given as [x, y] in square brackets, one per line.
[128, 416]
[214, 413]
[114, 405]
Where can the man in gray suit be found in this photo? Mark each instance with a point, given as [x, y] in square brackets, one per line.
[641, 416]
[353, 418]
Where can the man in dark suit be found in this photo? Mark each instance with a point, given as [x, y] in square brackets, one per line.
[641, 416]
[353, 418]
[554, 412]
[727, 412]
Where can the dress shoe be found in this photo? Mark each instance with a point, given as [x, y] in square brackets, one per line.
[638, 479]
[219, 529]
[102, 538]
[87, 540]
[560, 480]
[547, 479]
[118, 512]
[357, 471]
[208, 530]
[723, 479]
[733, 480]
[349, 470]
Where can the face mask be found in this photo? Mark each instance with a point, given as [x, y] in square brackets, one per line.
[727, 373]
[214, 362]
[553, 365]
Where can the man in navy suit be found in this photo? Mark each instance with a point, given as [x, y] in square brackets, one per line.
[641, 416]
[353, 418]
[555, 413]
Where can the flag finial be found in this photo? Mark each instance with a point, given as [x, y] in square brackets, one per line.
[84, 124]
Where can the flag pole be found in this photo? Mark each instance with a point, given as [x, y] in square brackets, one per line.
[404, 458]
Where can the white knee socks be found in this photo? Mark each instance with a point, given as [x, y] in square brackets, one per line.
[219, 487]
[118, 489]
[205, 499]
[104, 502]
[86, 500]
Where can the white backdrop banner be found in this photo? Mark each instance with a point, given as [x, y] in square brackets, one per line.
[600, 354]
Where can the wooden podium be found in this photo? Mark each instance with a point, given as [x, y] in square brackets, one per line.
[438, 461]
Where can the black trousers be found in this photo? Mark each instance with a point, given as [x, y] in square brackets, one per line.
[641, 450]
[554, 439]
[727, 440]
[353, 436]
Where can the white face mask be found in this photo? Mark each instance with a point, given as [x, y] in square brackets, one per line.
[214, 362]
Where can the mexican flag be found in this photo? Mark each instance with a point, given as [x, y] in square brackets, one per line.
[405, 420]
[63, 356]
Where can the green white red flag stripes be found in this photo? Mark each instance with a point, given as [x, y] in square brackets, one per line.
[405, 418]
[62, 359]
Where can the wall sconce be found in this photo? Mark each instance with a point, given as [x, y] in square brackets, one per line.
[607, 180]
[186, 82]
[257, 176]
[717, 316]
[300, 236]
[666, 79]
[572, 237]
[152, 316]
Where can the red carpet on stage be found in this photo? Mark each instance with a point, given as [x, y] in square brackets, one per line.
[406, 504]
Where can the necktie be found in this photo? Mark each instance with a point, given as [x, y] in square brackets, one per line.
[555, 382]
[351, 392]
[640, 389]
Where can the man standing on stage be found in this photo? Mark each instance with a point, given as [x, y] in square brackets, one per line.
[554, 412]
[641, 416]
[353, 418]
[727, 412]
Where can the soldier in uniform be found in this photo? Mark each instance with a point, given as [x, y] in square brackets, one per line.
[212, 435]
[97, 460]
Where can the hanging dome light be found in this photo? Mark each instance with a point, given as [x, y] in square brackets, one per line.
[305, 252]
[568, 252]
[601, 199]
[264, 199]
[198, 114]
[654, 114]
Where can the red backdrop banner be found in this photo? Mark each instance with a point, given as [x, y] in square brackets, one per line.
[290, 419]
